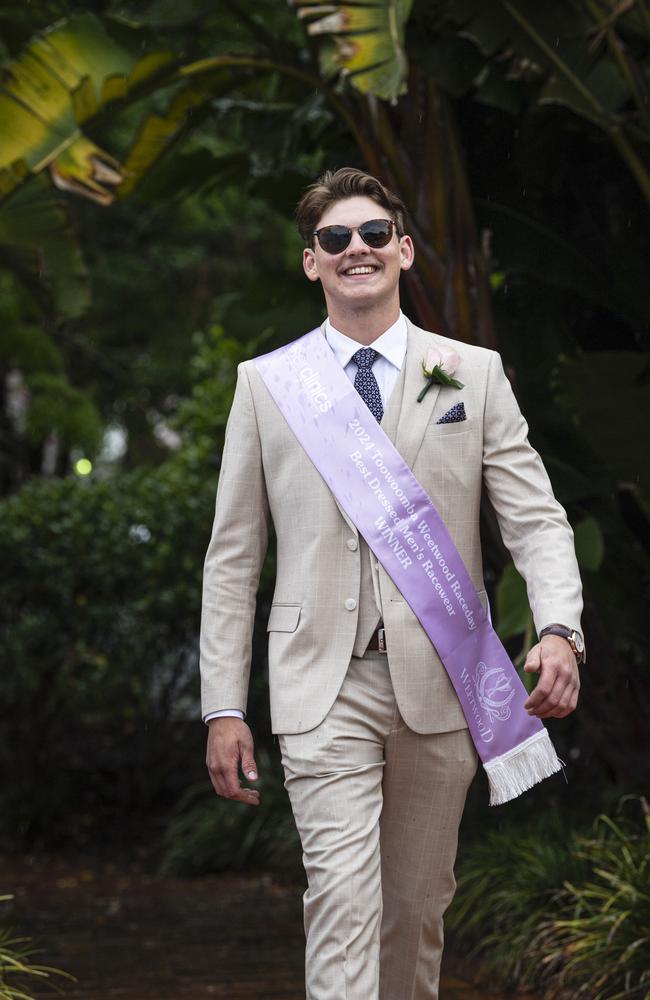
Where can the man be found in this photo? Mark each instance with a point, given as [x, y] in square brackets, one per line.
[375, 747]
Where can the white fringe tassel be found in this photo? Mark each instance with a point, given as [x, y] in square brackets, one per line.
[522, 767]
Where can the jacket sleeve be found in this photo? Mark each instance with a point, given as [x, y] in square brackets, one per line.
[533, 525]
[234, 559]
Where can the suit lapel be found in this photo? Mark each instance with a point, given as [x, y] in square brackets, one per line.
[414, 417]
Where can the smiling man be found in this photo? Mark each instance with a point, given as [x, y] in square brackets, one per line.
[375, 746]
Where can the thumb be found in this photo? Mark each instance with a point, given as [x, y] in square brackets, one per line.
[248, 765]
[534, 659]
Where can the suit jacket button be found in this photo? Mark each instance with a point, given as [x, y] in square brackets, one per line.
[352, 544]
[350, 603]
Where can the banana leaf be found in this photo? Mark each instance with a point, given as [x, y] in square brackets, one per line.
[157, 14]
[590, 544]
[608, 395]
[37, 237]
[512, 611]
[556, 46]
[64, 78]
[365, 39]
[525, 245]
[550, 40]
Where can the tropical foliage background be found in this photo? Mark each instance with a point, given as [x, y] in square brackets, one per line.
[151, 155]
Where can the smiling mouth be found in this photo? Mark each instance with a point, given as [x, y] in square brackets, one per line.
[361, 269]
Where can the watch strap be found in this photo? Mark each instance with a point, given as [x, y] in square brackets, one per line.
[565, 633]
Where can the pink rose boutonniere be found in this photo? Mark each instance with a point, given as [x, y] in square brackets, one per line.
[438, 367]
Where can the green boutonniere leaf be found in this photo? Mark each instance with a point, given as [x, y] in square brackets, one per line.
[438, 376]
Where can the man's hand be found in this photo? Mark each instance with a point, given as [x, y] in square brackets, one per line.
[230, 742]
[556, 693]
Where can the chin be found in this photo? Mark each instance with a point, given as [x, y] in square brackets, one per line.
[365, 296]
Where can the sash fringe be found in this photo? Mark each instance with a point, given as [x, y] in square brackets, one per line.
[519, 769]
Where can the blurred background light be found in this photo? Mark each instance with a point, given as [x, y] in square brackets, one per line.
[83, 467]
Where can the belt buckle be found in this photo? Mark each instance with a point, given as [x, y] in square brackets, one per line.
[381, 640]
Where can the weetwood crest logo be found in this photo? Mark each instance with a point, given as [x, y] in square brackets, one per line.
[494, 692]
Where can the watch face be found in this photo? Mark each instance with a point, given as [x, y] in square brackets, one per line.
[579, 641]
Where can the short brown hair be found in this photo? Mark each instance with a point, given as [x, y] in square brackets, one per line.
[335, 185]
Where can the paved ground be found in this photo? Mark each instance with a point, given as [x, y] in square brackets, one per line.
[131, 936]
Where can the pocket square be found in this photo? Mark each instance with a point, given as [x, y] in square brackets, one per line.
[454, 415]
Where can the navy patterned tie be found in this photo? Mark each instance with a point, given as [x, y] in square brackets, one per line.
[365, 382]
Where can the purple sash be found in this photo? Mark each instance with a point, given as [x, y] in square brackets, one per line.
[391, 510]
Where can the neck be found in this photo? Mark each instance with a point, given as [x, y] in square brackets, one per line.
[363, 325]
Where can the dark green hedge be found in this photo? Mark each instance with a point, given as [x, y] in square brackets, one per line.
[99, 602]
[100, 592]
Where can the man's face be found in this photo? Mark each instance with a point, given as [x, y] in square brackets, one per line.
[359, 277]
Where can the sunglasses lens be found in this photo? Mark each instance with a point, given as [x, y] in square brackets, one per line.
[334, 239]
[376, 233]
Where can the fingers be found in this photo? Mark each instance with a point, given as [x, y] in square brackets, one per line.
[534, 659]
[556, 692]
[247, 757]
[556, 705]
[229, 742]
[567, 704]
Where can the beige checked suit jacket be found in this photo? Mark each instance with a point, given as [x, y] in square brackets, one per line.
[319, 592]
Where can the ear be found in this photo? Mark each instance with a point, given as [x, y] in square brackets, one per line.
[406, 253]
[309, 265]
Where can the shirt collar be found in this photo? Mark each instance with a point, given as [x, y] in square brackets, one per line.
[391, 344]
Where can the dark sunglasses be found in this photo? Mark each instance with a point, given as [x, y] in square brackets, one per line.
[376, 233]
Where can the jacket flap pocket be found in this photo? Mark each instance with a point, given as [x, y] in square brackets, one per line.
[284, 617]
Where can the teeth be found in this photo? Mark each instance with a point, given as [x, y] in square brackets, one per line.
[360, 270]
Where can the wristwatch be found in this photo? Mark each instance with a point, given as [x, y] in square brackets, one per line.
[571, 635]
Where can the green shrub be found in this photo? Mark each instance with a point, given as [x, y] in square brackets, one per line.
[505, 880]
[100, 598]
[599, 946]
[211, 834]
[563, 913]
[17, 967]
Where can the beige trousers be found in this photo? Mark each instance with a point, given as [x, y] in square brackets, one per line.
[377, 807]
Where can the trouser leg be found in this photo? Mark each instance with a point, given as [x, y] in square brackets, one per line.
[426, 778]
[334, 778]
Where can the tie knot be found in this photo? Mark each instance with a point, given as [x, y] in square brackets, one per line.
[365, 358]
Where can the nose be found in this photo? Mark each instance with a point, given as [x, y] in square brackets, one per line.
[356, 244]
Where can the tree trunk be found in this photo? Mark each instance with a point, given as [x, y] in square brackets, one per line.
[414, 147]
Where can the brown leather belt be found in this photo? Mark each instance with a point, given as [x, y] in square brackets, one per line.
[377, 642]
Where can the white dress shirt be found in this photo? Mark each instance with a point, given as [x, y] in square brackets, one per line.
[391, 348]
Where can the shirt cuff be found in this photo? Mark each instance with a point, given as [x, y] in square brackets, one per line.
[225, 712]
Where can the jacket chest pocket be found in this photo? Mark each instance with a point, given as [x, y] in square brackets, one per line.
[449, 462]
[443, 432]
